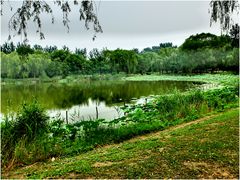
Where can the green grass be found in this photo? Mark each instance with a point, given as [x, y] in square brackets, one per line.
[209, 78]
[67, 79]
[224, 79]
[207, 148]
[60, 139]
[30, 123]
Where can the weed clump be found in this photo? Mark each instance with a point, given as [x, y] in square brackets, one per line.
[30, 122]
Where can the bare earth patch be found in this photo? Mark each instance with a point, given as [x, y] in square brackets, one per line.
[209, 171]
[102, 164]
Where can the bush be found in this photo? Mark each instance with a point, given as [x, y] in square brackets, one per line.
[219, 98]
[30, 122]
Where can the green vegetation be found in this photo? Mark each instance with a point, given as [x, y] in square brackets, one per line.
[206, 40]
[205, 149]
[201, 53]
[29, 124]
[69, 139]
[31, 136]
[218, 79]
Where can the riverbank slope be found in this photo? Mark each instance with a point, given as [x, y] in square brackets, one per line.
[205, 148]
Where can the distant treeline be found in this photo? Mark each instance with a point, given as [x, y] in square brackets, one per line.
[199, 53]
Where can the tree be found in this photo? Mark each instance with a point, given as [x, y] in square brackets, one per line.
[54, 69]
[8, 47]
[157, 48]
[146, 61]
[59, 55]
[82, 52]
[167, 45]
[31, 10]
[122, 60]
[205, 40]
[136, 50]
[37, 64]
[65, 48]
[234, 34]
[50, 49]
[23, 50]
[10, 65]
[222, 11]
[37, 47]
[98, 60]
[75, 63]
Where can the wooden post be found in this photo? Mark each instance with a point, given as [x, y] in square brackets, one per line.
[67, 117]
[96, 112]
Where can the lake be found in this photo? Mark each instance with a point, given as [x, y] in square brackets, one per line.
[86, 100]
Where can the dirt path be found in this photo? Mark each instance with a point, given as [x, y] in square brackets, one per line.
[197, 121]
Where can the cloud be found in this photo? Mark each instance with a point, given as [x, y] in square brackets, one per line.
[125, 24]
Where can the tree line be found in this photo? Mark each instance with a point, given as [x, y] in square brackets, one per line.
[201, 53]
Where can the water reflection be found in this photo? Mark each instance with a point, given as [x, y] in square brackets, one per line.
[83, 98]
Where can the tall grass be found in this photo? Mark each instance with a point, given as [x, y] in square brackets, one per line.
[32, 138]
[30, 122]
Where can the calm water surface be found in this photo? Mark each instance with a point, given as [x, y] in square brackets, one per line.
[84, 100]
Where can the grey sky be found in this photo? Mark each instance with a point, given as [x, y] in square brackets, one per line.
[126, 24]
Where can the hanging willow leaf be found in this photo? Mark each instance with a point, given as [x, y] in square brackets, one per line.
[31, 10]
[222, 11]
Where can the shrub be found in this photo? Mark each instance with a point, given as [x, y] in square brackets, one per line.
[30, 122]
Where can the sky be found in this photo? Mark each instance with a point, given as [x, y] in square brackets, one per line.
[125, 24]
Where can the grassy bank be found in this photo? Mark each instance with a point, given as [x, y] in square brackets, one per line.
[223, 79]
[67, 79]
[206, 78]
[206, 148]
[31, 137]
